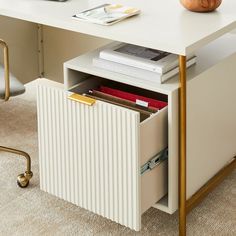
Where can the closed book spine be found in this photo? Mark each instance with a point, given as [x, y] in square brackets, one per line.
[136, 72]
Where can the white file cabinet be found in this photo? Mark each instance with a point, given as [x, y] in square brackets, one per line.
[92, 155]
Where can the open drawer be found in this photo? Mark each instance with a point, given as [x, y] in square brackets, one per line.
[92, 155]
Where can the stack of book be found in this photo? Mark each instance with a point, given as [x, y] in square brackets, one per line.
[140, 62]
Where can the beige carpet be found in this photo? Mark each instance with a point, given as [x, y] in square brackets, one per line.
[33, 212]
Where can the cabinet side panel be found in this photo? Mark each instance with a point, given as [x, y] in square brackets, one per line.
[89, 155]
[211, 126]
[169, 204]
[173, 160]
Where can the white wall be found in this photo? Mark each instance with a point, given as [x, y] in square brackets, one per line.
[21, 37]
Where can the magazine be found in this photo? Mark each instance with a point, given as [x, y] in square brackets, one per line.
[107, 14]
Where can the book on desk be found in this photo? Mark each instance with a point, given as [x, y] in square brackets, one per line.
[140, 62]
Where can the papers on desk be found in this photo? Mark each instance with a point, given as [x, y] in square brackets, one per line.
[107, 14]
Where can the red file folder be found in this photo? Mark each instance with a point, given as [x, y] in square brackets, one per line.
[133, 97]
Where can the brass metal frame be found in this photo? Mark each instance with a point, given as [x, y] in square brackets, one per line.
[185, 206]
[82, 99]
[6, 68]
[210, 185]
[22, 179]
[182, 146]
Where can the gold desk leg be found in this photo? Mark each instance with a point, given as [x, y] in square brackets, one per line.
[184, 205]
[182, 146]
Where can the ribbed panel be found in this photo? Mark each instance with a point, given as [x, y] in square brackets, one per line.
[89, 155]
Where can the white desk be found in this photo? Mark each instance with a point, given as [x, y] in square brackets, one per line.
[163, 25]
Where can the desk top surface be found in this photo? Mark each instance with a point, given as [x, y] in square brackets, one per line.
[162, 24]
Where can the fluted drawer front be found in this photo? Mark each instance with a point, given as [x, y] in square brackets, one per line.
[89, 155]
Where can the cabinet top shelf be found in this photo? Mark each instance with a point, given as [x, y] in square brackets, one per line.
[207, 57]
[163, 25]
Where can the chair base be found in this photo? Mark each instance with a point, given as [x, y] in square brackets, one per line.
[22, 179]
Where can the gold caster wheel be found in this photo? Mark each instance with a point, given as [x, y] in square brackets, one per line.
[23, 179]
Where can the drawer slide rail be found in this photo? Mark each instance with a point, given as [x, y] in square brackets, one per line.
[155, 161]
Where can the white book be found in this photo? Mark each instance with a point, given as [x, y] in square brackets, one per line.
[140, 57]
[138, 73]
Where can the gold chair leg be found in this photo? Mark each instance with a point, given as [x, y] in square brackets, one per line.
[6, 68]
[22, 179]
